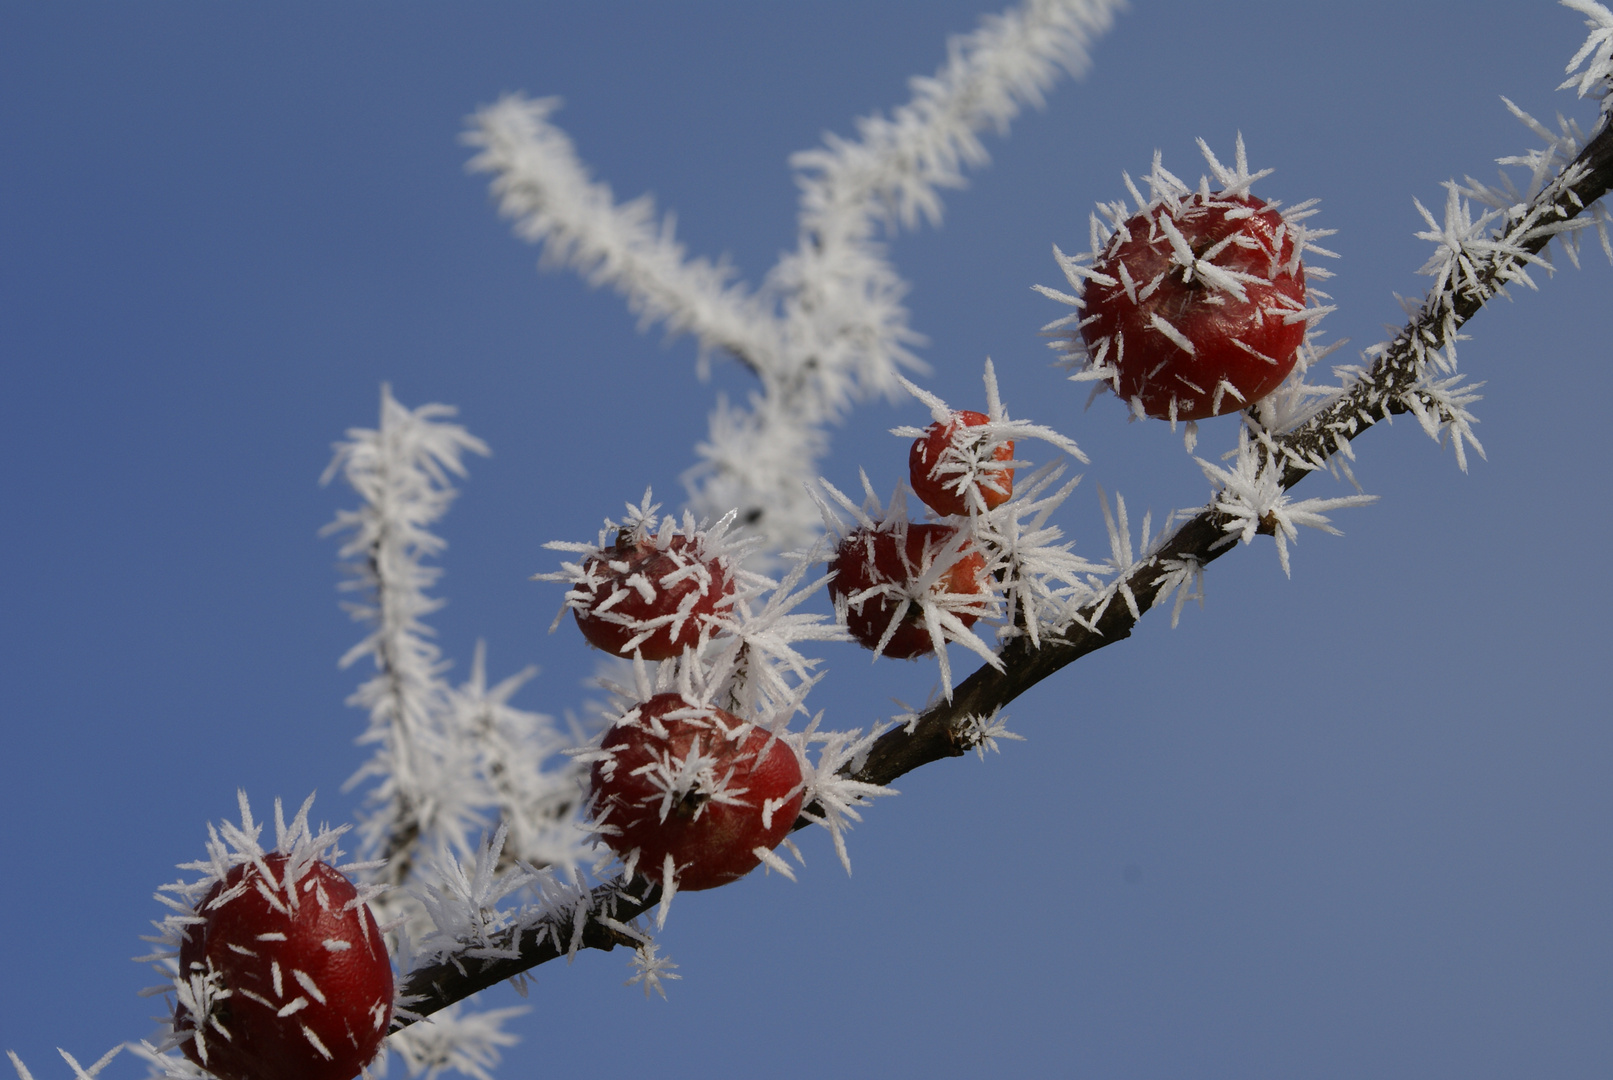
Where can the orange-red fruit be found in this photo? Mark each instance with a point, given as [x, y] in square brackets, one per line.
[884, 561]
[641, 598]
[308, 980]
[1249, 345]
[697, 783]
[940, 475]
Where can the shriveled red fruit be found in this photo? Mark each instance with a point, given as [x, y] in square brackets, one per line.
[295, 983]
[946, 464]
[696, 783]
[641, 596]
[1197, 309]
[877, 569]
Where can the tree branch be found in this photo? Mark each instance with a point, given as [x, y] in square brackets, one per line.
[1382, 392]
[1389, 387]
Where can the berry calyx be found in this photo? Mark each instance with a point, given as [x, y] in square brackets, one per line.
[1196, 305]
[284, 977]
[950, 466]
[894, 584]
[697, 785]
[653, 595]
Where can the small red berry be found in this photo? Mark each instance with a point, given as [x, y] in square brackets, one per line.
[292, 978]
[696, 783]
[649, 597]
[877, 570]
[946, 465]
[1198, 306]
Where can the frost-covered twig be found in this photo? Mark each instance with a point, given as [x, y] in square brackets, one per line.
[450, 761]
[559, 930]
[828, 328]
[445, 755]
[401, 470]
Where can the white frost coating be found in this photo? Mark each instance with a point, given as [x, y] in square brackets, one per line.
[456, 1039]
[980, 733]
[462, 897]
[445, 755]
[650, 968]
[79, 1072]
[401, 470]
[1041, 581]
[170, 1065]
[448, 758]
[1251, 495]
[746, 660]
[836, 797]
[1476, 256]
[920, 586]
[1596, 54]
[827, 328]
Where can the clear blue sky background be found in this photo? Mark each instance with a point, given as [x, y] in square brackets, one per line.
[1353, 824]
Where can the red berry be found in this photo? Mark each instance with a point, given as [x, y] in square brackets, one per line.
[647, 597]
[945, 465]
[1201, 317]
[696, 783]
[876, 570]
[296, 983]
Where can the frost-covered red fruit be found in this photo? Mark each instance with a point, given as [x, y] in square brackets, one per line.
[1200, 308]
[876, 569]
[296, 984]
[943, 472]
[642, 597]
[696, 783]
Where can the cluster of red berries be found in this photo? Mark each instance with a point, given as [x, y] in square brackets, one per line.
[284, 975]
[687, 794]
[1196, 310]
[899, 583]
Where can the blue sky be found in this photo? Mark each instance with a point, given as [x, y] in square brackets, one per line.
[1353, 823]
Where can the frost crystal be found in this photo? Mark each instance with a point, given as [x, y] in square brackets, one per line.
[1596, 54]
[650, 968]
[745, 658]
[456, 1039]
[980, 733]
[832, 798]
[445, 756]
[79, 1072]
[1251, 496]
